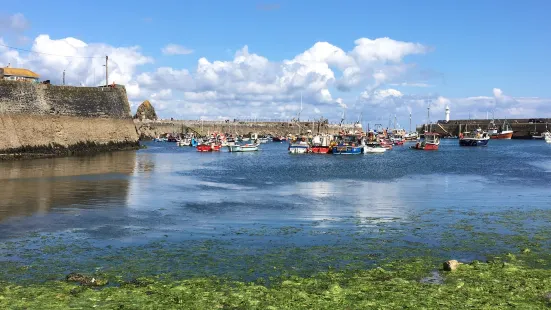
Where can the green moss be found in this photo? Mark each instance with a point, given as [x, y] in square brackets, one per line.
[494, 285]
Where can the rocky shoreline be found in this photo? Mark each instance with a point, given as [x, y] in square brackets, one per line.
[55, 150]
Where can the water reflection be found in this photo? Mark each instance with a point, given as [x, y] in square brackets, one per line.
[37, 186]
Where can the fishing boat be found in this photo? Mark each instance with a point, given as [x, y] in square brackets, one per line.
[279, 139]
[347, 145]
[506, 132]
[374, 147]
[536, 135]
[429, 143]
[299, 147]
[476, 138]
[263, 140]
[243, 148]
[492, 130]
[547, 137]
[321, 144]
[208, 147]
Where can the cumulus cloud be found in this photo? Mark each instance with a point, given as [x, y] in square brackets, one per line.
[175, 49]
[369, 79]
[83, 63]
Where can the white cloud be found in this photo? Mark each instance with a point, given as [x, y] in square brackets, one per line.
[175, 49]
[251, 85]
[87, 68]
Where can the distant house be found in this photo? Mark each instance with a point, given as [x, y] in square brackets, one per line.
[18, 74]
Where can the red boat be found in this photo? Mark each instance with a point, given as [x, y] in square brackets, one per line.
[431, 142]
[208, 147]
[321, 149]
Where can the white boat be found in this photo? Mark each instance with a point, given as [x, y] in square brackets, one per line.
[299, 147]
[263, 140]
[184, 142]
[547, 137]
[374, 148]
[243, 148]
[244, 139]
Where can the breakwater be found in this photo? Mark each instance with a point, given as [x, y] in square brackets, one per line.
[151, 129]
[522, 128]
[39, 120]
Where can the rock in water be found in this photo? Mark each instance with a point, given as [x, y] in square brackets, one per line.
[451, 265]
[85, 280]
[146, 111]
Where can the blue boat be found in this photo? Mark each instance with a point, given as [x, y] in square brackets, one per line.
[347, 150]
[347, 145]
[476, 138]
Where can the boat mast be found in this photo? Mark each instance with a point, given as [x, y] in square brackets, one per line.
[409, 122]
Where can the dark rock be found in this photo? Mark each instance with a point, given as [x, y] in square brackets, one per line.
[146, 111]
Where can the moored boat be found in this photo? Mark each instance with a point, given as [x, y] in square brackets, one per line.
[208, 147]
[374, 147]
[477, 138]
[347, 145]
[430, 142]
[299, 147]
[321, 144]
[243, 148]
[547, 136]
[506, 132]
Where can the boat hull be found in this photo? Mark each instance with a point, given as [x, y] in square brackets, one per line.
[473, 142]
[347, 150]
[208, 148]
[503, 136]
[321, 149]
[298, 149]
[425, 147]
[374, 150]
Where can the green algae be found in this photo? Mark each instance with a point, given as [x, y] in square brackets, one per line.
[498, 284]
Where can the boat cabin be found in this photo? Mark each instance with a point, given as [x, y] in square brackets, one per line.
[347, 140]
[432, 137]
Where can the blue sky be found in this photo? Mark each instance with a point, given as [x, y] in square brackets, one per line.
[475, 46]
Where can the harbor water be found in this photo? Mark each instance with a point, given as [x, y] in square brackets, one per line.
[173, 211]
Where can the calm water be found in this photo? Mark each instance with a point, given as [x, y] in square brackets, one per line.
[169, 209]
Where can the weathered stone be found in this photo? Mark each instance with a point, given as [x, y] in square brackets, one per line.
[451, 265]
[146, 111]
[38, 120]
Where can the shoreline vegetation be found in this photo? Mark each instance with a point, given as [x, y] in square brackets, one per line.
[509, 281]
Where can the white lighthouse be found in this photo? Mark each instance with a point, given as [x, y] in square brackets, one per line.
[447, 113]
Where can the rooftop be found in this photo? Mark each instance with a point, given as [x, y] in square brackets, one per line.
[20, 72]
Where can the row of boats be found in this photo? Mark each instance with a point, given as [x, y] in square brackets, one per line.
[344, 143]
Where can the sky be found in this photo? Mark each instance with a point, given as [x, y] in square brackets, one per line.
[368, 60]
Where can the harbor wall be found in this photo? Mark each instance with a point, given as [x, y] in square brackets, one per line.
[152, 129]
[522, 128]
[38, 120]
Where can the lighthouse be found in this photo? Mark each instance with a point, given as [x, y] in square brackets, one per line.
[447, 114]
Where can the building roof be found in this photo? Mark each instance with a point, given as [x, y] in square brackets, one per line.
[20, 72]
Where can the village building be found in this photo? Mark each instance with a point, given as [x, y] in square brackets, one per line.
[18, 74]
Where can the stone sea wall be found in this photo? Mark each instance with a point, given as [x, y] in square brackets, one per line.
[151, 129]
[43, 120]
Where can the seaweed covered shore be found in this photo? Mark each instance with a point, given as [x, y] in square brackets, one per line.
[503, 282]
